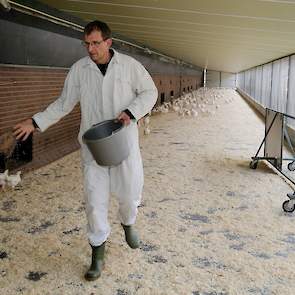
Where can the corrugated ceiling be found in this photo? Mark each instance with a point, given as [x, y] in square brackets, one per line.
[224, 35]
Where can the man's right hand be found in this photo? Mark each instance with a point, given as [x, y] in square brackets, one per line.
[23, 129]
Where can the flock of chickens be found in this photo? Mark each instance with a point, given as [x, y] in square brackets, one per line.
[203, 100]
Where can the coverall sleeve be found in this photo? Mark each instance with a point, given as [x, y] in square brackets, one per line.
[145, 90]
[63, 105]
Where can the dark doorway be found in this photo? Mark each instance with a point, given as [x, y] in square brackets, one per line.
[162, 97]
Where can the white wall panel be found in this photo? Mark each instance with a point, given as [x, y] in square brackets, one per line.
[275, 78]
[266, 85]
[291, 92]
[212, 79]
[283, 89]
[252, 82]
[258, 78]
[247, 81]
[228, 80]
[241, 80]
[279, 84]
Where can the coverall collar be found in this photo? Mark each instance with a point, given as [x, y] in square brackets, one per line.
[92, 64]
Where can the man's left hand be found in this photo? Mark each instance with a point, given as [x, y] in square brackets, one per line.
[124, 118]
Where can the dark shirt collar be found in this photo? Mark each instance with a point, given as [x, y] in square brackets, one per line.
[103, 67]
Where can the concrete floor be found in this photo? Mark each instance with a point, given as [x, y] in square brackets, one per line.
[209, 225]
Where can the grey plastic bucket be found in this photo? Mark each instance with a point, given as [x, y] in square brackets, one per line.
[107, 142]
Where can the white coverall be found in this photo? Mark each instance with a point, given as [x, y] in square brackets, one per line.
[126, 85]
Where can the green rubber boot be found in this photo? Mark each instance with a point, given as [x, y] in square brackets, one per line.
[95, 269]
[131, 236]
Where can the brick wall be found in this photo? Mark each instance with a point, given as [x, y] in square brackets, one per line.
[27, 90]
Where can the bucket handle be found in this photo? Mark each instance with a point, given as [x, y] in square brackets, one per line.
[115, 121]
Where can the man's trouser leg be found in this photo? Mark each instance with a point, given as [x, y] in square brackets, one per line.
[127, 183]
[97, 192]
[97, 195]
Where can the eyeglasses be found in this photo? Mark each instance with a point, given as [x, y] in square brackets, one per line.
[93, 43]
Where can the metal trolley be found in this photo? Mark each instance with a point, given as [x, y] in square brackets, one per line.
[275, 132]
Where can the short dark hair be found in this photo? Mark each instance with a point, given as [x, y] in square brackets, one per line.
[98, 26]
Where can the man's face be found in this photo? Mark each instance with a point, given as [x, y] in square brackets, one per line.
[98, 49]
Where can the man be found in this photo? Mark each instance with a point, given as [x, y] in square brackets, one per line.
[108, 85]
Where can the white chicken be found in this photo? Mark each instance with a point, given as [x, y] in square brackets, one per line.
[3, 178]
[194, 113]
[175, 108]
[14, 180]
[147, 131]
[146, 120]
[164, 109]
[188, 112]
